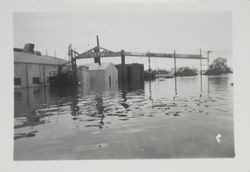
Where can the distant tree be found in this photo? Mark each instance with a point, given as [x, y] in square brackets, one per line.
[163, 71]
[218, 67]
[186, 71]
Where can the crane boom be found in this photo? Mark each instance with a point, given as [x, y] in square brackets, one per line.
[102, 52]
[107, 53]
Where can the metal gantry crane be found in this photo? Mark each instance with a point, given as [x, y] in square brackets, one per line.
[99, 52]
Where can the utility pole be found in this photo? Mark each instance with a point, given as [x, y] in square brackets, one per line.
[73, 64]
[200, 71]
[149, 62]
[97, 52]
[208, 52]
[175, 81]
[208, 84]
[149, 66]
[123, 67]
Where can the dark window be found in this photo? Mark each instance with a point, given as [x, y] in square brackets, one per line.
[17, 81]
[36, 80]
[109, 81]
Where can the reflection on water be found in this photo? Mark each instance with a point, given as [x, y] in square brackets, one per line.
[146, 122]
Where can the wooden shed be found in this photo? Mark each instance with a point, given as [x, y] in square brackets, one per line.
[103, 77]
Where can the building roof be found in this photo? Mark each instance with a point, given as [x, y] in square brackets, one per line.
[83, 67]
[22, 57]
[96, 66]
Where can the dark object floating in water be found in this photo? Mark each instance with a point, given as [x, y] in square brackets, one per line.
[23, 135]
[232, 84]
[125, 105]
[123, 115]
[92, 125]
[176, 114]
[123, 119]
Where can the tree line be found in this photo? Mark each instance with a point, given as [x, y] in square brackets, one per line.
[218, 67]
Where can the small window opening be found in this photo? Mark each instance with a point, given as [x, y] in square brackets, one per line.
[17, 81]
[36, 80]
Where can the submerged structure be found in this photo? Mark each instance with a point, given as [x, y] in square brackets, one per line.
[105, 74]
[32, 69]
[101, 77]
[133, 76]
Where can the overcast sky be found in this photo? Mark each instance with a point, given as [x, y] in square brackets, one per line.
[143, 31]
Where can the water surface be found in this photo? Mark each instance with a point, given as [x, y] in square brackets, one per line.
[152, 122]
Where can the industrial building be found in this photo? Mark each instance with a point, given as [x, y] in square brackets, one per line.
[133, 76]
[98, 77]
[32, 69]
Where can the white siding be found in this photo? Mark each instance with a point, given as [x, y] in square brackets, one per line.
[99, 78]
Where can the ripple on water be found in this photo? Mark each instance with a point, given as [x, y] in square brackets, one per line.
[94, 110]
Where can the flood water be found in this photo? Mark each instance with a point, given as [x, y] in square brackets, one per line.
[152, 122]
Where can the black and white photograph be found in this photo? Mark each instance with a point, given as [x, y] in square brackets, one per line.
[123, 85]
